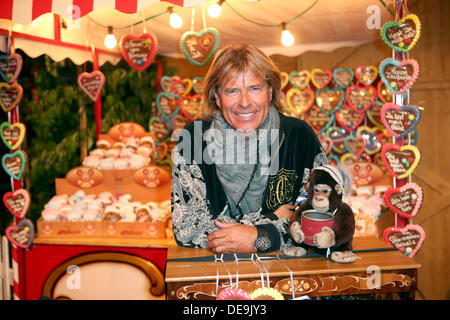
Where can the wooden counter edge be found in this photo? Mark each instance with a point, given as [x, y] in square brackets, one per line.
[317, 265]
[108, 242]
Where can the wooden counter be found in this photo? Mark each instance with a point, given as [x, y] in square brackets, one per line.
[192, 273]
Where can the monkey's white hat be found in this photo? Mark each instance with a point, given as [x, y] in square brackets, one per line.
[334, 173]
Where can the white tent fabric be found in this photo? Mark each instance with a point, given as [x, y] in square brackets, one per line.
[328, 25]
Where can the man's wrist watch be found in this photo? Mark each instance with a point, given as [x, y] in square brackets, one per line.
[262, 242]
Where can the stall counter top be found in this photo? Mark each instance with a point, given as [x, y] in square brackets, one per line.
[184, 263]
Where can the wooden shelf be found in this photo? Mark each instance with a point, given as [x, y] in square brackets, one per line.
[114, 242]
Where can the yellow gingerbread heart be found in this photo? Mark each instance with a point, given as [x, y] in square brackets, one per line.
[321, 77]
[400, 161]
[299, 101]
[12, 134]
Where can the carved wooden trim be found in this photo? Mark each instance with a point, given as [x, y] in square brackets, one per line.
[311, 285]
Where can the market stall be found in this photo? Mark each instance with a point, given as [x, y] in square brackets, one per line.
[113, 209]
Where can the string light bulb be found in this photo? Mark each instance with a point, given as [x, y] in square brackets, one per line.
[110, 40]
[215, 9]
[175, 20]
[287, 39]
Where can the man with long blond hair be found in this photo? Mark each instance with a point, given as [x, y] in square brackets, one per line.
[238, 170]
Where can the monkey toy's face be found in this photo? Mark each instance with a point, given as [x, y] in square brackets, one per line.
[321, 197]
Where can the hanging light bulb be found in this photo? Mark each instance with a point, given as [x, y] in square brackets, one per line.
[110, 41]
[215, 9]
[175, 20]
[287, 39]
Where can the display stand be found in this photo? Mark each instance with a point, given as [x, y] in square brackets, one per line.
[378, 270]
[137, 248]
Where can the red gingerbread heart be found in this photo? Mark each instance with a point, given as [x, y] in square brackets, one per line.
[139, 51]
[348, 118]
[17, 202]
[191, 106]
[360, 98]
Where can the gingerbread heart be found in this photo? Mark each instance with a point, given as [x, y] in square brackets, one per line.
[360, 98]
[400, 161]
[338, 135]
[405, 201]
[373, 145]
[399, 121]
[14, 164]
[284, 79]
[402, 35]
[407, 240]
[21, 235]
[399, 76]
[17, 202]
[321, 77]
[318, 120]
[348, 118]
[168, 104]
[160, 127]
[10, 95]
[343, 77]
[374, 114]
[329, 100]
[326, 143]
[356, 145]
[299, 101]
[384, 93]
[199, 47]
[12, 134]
[299, 79]
[168, 83]
[139, 51]
[197, 84]
[91, 83]
[366, 75]
[10, 67]
[191, 106]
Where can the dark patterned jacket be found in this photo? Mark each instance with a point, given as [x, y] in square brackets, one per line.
[198, 198]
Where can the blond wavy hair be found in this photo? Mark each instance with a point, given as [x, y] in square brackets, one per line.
[232, 61]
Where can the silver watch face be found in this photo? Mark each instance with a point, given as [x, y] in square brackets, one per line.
[262, 243]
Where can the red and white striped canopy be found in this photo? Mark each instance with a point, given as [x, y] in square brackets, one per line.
[330, 24]
[25, 11]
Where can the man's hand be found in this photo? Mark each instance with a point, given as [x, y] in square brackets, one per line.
[232, 238]
[285, 211]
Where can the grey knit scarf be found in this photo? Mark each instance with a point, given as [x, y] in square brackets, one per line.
[239, 165]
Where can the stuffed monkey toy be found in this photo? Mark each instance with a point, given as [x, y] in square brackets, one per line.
[325, 191]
